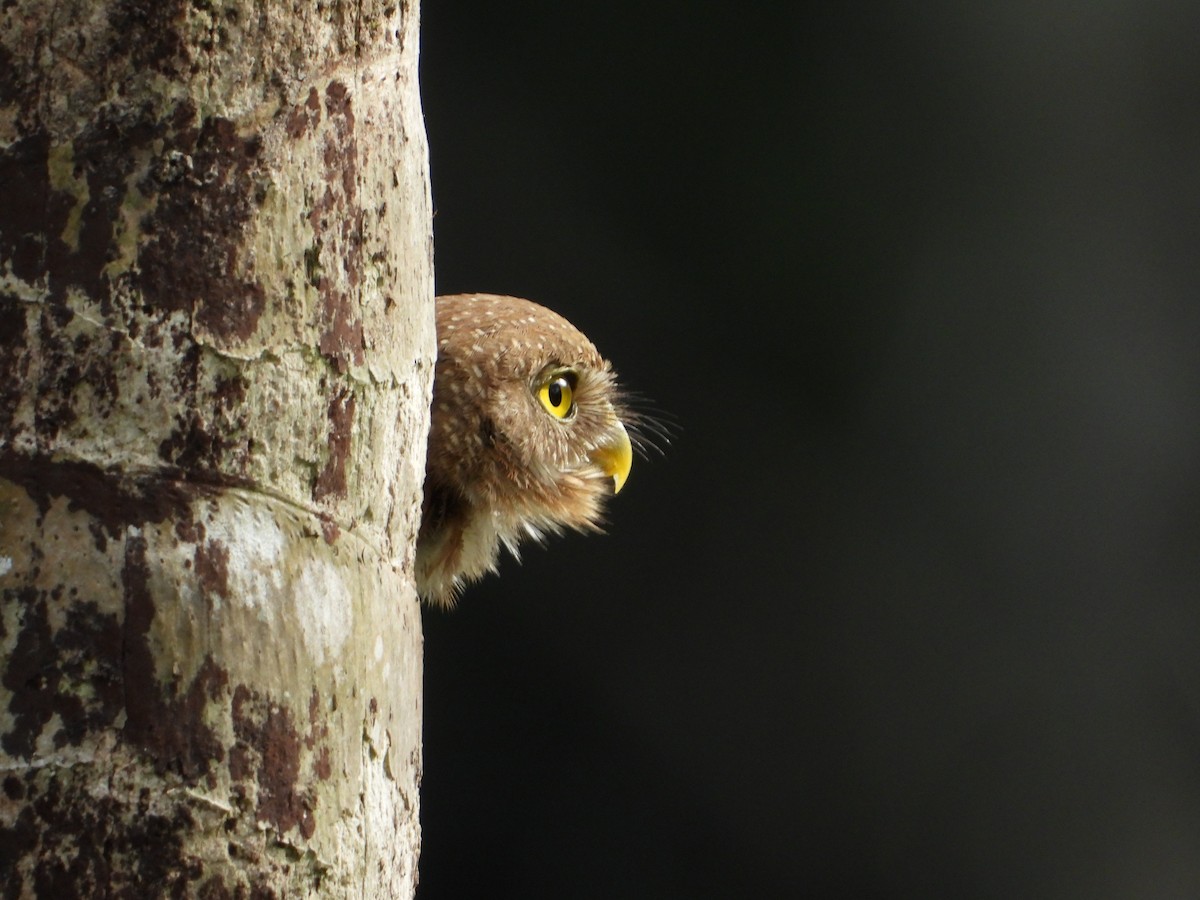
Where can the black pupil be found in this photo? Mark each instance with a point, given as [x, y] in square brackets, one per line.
[555, 393]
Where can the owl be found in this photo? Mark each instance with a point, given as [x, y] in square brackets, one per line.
[527, 437]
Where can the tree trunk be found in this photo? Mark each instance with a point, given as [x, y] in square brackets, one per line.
[216, 347]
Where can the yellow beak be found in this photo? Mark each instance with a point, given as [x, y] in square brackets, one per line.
[615, 458]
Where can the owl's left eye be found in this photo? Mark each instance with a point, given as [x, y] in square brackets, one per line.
[558, 396]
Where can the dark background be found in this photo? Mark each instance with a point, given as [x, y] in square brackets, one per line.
[911, 605]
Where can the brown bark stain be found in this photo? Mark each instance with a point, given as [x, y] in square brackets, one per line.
[148, 34]
[190, 530]
[89, 670]
[331, 481]
[18, 85]
[318, 729]
[106, 153]
[330, 530]
[73, 672]
[69, 365]
[337, 225]
[112, 501]
[204, 440]
[341, 146]
[13, 362]
[195, 445]
[82, 674]
[84, 845]
[166, 722]
[212, 441]
[207, 183]
[212, 567]
[23, 171]
[304, 116]
[267, 750]
[192, 258]
[93, 656]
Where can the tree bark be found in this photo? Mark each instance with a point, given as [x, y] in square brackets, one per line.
[216, 348]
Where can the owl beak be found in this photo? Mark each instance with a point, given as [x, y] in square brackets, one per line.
[615, 458]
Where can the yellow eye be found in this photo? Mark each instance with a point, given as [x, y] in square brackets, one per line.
[558, 396]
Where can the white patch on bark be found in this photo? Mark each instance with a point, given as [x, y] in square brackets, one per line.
[6, 565]
[256, 547]
[322, 603]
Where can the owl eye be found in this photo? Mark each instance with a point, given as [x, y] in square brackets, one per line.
[558, 396]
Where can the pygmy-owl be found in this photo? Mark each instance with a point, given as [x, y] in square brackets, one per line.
[526, 437]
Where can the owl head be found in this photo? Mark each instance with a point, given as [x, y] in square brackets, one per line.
[526, 437]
